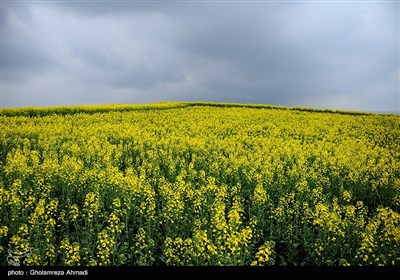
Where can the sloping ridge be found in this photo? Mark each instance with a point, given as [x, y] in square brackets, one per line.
[93, 109]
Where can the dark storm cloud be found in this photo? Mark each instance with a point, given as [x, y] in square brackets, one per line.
[332, 54]
[316, 51]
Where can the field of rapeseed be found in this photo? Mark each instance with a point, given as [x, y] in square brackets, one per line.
[198, 184]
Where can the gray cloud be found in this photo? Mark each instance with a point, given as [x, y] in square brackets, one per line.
[331, 55]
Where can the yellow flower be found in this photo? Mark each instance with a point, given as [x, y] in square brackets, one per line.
[71, 251]
[3, 231]
[346, 196]
[260, 195]
[105, 244]
[265, 254]
[73, 212]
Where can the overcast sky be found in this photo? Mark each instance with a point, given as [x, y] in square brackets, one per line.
[337, 55]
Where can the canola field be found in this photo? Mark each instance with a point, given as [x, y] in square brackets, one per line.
[198, 184]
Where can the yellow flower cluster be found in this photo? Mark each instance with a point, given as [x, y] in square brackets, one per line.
[71, 252]
[114, 224]
[199, 184]
[382, 235]
[143, 248]
[329, 220]
[178, 251]
[105, 244]
[205, 250]
[91, 205]
[73, 212]
[3, 231]
[260, 195]
[265, 254]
